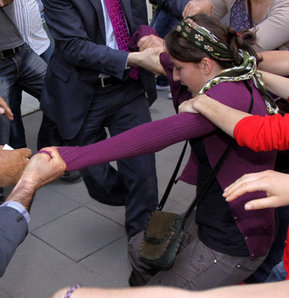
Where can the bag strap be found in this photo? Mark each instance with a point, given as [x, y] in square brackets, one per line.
[206, 185]
[212, 175]
[173, 178]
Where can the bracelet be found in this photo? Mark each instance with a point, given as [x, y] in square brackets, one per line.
[71, 290]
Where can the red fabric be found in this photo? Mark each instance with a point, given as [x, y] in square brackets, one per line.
[286, 256]
[263, 133]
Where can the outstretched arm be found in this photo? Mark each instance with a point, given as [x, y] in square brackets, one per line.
[275, 61]
[14, 216]
[277, 84]
[275, 289]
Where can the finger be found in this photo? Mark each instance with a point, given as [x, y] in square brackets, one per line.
[25, 152]
[56, 157]
[53, 151]
[262, 203]
[9, 114]
[45, 152]
[244, 179]
[246, 187]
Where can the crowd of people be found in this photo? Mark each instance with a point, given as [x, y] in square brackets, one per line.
[226, 77]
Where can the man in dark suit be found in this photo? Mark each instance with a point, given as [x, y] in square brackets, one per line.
[14, 212]
[89, 88]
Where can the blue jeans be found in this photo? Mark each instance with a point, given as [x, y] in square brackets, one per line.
[278, 273]
[23, 71]
[163, 22]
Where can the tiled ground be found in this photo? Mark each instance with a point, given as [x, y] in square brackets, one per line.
[75, 239]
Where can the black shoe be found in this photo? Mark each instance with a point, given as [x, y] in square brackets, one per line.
[132, 280]
[71, 176]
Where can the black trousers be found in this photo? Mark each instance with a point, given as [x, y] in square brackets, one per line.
[116, 109]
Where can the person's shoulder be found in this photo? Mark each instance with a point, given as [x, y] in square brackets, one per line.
[280, 4]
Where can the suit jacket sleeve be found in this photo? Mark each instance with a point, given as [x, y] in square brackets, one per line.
[76, 28]
[13, 230]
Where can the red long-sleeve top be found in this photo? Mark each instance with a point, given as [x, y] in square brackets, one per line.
[263, 133]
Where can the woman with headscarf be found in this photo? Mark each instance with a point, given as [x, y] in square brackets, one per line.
[222, 245]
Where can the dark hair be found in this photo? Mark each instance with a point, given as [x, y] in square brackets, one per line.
[182, 50]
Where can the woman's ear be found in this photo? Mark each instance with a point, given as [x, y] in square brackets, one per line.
[206, 66]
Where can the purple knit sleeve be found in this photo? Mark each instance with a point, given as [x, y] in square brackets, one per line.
[144, 139]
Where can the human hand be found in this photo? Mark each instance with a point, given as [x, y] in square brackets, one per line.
[276, 185]
[194, 7]
[151, 60]
[148, 59]
[151, 41]
[12, 165]
[5, 2]
[4, 108]
[44, 167]
[192, 105]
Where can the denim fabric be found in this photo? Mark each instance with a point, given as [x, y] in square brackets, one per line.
[278, 273]
[23, 71]
[163, 22]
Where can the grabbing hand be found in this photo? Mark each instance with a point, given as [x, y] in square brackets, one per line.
[12, 165]
[192, 105]
[276, 185]
[151, 41]
[4, 108]
[44, 167]
[194, 7]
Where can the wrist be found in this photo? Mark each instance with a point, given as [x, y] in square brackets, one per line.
[23, 193]
[198, 103]
[134, 59]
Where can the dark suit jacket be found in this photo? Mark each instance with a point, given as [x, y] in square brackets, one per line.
[13, 229]
[80, 55]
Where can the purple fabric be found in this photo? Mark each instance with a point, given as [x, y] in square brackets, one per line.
[257, 227]
[118, 22]
[132, 45]
[120, 29]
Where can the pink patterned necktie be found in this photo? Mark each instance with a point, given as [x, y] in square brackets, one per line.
[120, 28]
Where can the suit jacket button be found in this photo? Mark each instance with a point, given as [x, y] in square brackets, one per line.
[19, 217]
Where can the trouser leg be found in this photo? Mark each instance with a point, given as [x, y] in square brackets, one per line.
[196, 267]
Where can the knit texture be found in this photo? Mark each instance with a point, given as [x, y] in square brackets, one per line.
[263, 133]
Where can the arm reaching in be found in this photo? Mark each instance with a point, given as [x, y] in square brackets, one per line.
[277, 84]
[197, 6]
[273, 289]
[274, 183]
[221, 115]
[275, 61]
[41, 169]
[255, 132]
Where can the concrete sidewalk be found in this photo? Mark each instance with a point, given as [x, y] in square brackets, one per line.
[73, 238]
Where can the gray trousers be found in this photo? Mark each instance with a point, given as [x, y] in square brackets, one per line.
[196, 267]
